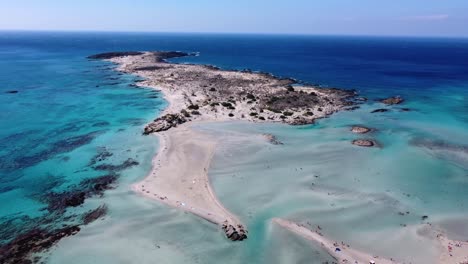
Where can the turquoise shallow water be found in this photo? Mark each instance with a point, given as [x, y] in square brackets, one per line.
[69, 109]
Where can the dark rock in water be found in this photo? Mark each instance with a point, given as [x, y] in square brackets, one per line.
[364, 142]
[61, 146]
[59, 202]
[133, 121]
[95, 214]
[380, 110]
[101, 155]
[233, 233]
[360, 129]
[11, 92]
[109, 167]
[164, 123]
[75, 199]
[101, 124]
[20, 250]
[272, 139]
[405, 109]
[97, 186]
[392, 100]
[110, 55]
[352, 108]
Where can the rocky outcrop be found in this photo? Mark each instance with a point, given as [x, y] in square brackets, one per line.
[164, 123]
[360, 129]
[234, 233]
[207, 92]
[392, 100]
[364, 142]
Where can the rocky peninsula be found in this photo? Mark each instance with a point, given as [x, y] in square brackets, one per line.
[201, 92]
[205, 93]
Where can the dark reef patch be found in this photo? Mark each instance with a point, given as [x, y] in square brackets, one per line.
[133, 121]
[380, 110]
[95, 214]
[392, 100]
[101, 124]
[11, 92]
[58, 147]
[36, 240]
[110, 167]
[76, 195]
[101, 155]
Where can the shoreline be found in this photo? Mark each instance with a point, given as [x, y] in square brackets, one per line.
[188, 188]
[187, 104]
[449, 251]
[201, 93]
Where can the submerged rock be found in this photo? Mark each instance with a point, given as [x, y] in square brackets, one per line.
[76, 195]
[95, 214]
[380, 110]
[360, 129]
[124, 165]
[36, 240]
[273, 139]
[364, 142]
[392, 100]
[164, 123]
[11, 91]
[102, 154]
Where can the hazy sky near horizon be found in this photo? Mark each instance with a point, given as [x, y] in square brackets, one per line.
[336, 17]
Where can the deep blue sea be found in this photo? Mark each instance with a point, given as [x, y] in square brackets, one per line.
[68, 115]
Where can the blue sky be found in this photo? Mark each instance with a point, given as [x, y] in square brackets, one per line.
[336, 17]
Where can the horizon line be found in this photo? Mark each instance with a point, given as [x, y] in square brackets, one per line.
[233, 33]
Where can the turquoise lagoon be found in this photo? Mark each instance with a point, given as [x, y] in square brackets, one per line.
[68, 110]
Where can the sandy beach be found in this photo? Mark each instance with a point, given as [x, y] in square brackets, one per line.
[180, 179]
[340, 251]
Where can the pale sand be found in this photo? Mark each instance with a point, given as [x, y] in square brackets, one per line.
[179, 176]
[450, 251]
[346, 255]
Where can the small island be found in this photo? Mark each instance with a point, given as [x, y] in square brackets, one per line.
[201, 92]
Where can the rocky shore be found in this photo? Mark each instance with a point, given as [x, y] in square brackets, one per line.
[207, 93]
[200, 92]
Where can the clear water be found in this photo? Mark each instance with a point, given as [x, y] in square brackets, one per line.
[356, 196]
